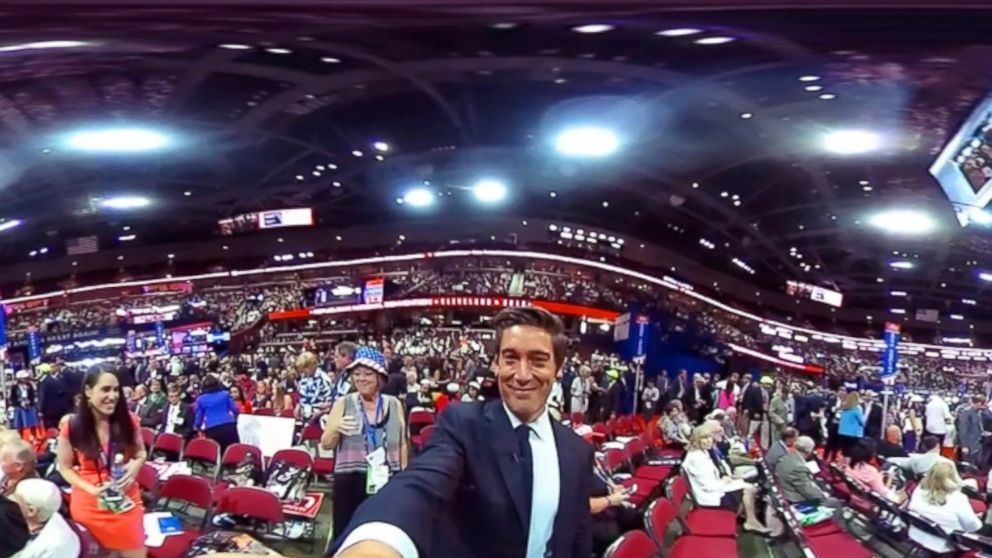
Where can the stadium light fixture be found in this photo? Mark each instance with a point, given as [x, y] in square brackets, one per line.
[809, 78]
[902, 264]
[117, 140]
[419, 197]
[587, 141]
[985, 276]
[234, 46]
[381, 146]
[42, 45]
[897, 310]
[851, 142]
[125, 202]
[679, 32]
[908, 222]
[898, 293]
[7, 225]
[489, 191]
[593, 28]
[714, 40]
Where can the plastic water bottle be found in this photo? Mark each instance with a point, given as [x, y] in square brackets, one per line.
[117, 471]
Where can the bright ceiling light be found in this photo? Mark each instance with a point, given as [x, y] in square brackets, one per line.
[589, 141]
[898, 310]
[125, 202]
[901, 265]
[505, 25]
[908, 222]
[278, 50]
[117, 140]
[381, 146]
[897, 293]
[7, 225]
[126, 238]
[809, 77]
[679, 32]
[38, 45]
[489, 191]
[851, 142]
[714, 40]
[419, 197]
[813, 87]
[985, 276]
[828, 97]
[330, 60]
[593, 28]
[234, 46]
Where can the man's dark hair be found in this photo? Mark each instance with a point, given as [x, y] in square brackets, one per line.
[859, 453]
[346, 348]
[536, 317]
[928, 443]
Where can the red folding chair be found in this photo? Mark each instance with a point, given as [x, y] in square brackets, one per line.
[418, 421]
[660, 515]
[203, 452]
[577, 418]
[294, 456]
[288, 413]
[171, 443]
[188, 491]
[703, 522]
[235, 453]
[265, 412]
[633, 544]
[148, 437]
[255, 504]
[148, 482]
[322, 466]
[425, 435]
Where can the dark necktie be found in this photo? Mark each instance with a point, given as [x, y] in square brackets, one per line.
[526, 459]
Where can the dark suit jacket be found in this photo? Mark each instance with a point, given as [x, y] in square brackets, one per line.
[465, 495]
[753, 401]
[186, 428]
[873, 422]
[677, 385]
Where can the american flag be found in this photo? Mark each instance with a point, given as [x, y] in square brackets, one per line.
[82, 245]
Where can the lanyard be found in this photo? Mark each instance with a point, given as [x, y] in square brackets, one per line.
[370, 430]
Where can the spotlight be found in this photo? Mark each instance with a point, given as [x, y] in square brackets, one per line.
[851, 142]
[909, 222]
[985, 276]
[7, 225]
[808, 78]
[234, 46]
[381, 146]
[590, 141]
[489, 191]
[125, 202]
[901, 265]
[714, 40]
[678, 32]
[117, 140]
[330, 60]
[419, 197]
[593, 28]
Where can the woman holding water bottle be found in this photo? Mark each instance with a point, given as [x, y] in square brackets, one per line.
[367, 432]
[100, 453]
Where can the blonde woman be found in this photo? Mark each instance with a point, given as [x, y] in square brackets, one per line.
[852, 422]
[711, 488]
[579, 390]
[939, 499]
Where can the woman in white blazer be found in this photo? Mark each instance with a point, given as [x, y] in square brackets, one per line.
[711, 489]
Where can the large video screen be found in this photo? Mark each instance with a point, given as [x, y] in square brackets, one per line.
[270, 219]
[814, 293]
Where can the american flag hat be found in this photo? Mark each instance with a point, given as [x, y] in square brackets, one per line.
[369, 358]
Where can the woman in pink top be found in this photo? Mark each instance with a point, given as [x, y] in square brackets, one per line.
[727, 398]
[861, 469]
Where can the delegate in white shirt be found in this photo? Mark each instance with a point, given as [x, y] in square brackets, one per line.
[955, 515]
[543, 507]
[937, 415]
[55, 540]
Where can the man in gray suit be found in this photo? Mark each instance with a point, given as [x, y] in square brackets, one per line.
[781, 447]
[796, 478]
[969, 431]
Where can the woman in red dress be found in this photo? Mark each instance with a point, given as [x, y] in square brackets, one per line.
[100, 434]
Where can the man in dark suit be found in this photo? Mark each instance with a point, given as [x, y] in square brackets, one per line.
[698, 399]
[498, 479]
[873, 416]
[679, 386]
[177, 417]
[615, 394]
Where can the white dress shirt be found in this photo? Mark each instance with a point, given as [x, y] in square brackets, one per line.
[545, 491]
[955, 515]
[55, 540]
[173, 419]
[937, 415]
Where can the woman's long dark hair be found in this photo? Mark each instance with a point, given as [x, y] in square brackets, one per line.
[82, 429]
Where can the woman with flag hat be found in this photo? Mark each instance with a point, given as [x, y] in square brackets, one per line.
[24, 400]
[368, 434]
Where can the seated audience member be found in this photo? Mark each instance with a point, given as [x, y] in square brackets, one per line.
[147, 408]
[14, 528]
[782, 447]
[177, 417]
[611, 514]
[17, 460]
[730, 431]
[711, 488]
[670, 425]
[919, 464]
[939, 499]
[796, 478]
[861, 469]
[891, 444]
[51, 535]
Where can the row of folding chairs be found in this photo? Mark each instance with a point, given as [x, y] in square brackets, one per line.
[888, 522]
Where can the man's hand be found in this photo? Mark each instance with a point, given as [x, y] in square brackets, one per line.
[368, 549]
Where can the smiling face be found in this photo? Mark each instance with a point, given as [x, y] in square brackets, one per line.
[526, 370]
[104, 394]
[366, 381]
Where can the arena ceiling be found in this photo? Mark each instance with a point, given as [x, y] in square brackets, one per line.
[721, 132]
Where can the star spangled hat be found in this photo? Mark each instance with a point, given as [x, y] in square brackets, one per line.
[369, 358]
